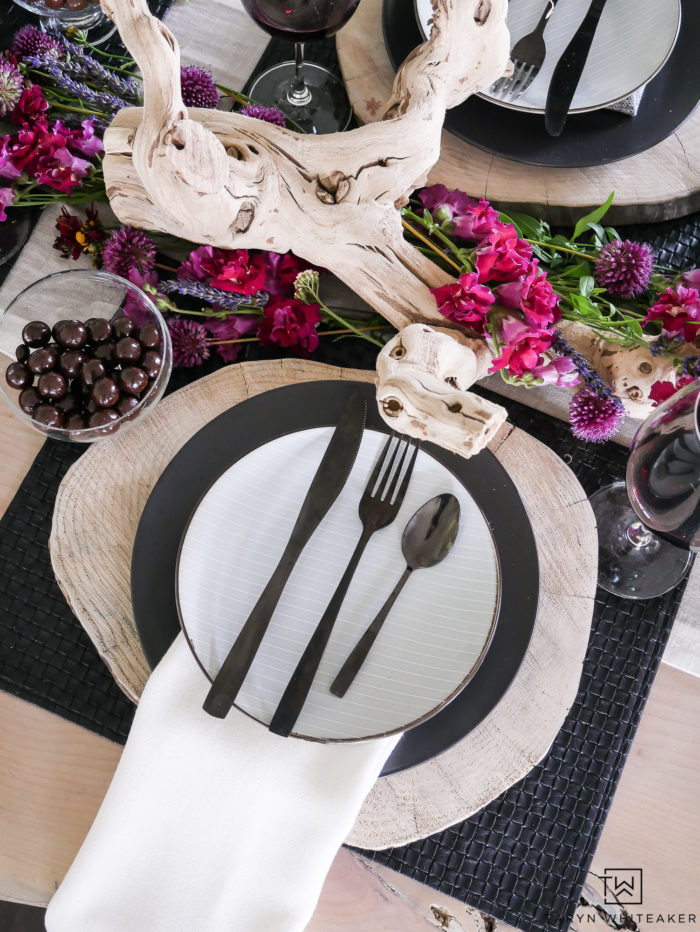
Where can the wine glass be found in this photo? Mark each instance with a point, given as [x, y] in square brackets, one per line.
[308, 93]
[79, 14]
[649, 525]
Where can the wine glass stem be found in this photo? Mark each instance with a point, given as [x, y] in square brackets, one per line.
[638, 535]
[299, 94]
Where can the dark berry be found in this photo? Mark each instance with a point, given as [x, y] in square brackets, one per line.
[104, 418]
[123, 326]
[36, 333]
[151, 363]
[149, 336]
[22, 353]
[105, 393]
[17, 375]
[126, 403]
[72, 335]
[75, 421]
[29, 399]
[99, 329]
[47, 415]
[127, 350]
[92, 371]
[70, 362]
[42, 360]
[133, 380]
[59, 325]
[105, 353]
[52, 385]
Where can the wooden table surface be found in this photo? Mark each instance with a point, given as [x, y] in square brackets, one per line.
[53, 776]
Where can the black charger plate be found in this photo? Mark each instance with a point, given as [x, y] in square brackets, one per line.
[273, 414]
[588, 139]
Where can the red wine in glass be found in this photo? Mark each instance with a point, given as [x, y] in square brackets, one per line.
[308, 93]
[649, 525]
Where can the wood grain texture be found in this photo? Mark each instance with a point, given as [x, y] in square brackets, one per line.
[116, 476]
[658, 184]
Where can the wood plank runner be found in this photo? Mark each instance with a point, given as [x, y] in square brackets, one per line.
[658, 184]
[115, 478]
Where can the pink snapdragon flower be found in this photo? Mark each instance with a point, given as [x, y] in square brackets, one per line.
[532, 294]
[502, 256]
[524, 347]
[242, 273]
[290, 323]
[471, 219]
[678, 309]
[465, 301]
[7, 196]
[560, 371]
[662, 390]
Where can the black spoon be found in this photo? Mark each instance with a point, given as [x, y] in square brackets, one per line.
[427, 539]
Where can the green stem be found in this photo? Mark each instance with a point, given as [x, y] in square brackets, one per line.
[433, 248]
[346, 324]
[434, 229]
[555, 248]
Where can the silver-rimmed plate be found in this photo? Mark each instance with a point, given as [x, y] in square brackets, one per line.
[631, 45]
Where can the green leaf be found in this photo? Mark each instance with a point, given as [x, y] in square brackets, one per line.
[530, 227]
[600, 234]
[585, 285]
[506, 218]
[612, 233]
[593, 217]
[577, 271]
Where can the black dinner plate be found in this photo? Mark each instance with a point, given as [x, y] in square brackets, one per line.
[588, 139]
[258, 420]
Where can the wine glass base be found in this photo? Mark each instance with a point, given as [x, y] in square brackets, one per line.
[329, 110]
[14, 232]
[626, 569]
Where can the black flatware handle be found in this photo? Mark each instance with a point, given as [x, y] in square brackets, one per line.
[568, 71]
[327, 483]
[358, 654]
[294, 696]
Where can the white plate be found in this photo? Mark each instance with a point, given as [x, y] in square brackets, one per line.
[431, 642]
[632, 43]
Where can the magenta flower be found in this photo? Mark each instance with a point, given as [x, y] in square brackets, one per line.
[84, 139]
[7, 196]
[204, 263]
[470, 219]
[560, 371]
[234, 327]
[291, 323]
[624, 268]
[190, 342]
[661, 391]
[30, 41]
[268, 114]
[11, 86]
[678, 309]
[198, 88]
[691, 278]
[130, 253]
[31, 105]
[242, 273]
[524, 347]
[532, 294]
[595, 418]
[282, 272]
[502, 256]
[465, 301]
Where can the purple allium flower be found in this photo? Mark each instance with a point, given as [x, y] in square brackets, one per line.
[29, 40]
[198, 88]
[190, 343]
[593, 417]
[128, 250]
[624, 268]
[11, 87]
[268, 114]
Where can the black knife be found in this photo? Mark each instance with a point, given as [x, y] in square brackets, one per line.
[568, 71]
[331, 476]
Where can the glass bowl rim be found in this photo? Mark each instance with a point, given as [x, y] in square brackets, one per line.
[87, 433]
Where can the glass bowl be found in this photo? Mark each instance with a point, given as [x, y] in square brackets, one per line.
[81, 294]
[88, 17]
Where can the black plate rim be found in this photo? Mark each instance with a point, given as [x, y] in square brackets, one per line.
[591, 139]
[272, 414]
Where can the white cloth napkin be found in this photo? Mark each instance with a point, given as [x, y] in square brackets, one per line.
[212, 825]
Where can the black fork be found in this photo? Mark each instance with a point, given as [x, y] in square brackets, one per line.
[379, 505]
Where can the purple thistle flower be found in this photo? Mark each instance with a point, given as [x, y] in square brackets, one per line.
[128, 250]
[100, 99]
[227, 300]
[268, 114]
[198, 88]
[190, 342]
[11, 86]
[593, 417]
[29, 41]
[624, 268]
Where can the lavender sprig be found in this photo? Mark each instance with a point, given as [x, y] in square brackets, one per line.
[226, 299]
[83, 65]
[102, 99]
[589, 376]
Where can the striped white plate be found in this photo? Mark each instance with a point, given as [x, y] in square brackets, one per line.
[433, 639]
[631, 44]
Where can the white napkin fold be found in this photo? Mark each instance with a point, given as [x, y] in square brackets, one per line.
[211, 825]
